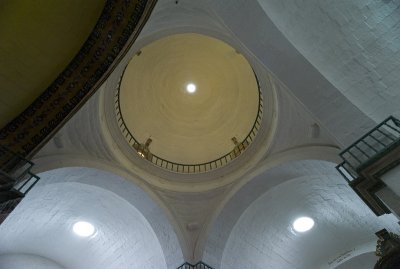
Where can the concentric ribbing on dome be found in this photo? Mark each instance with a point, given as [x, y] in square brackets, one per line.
[189, 133]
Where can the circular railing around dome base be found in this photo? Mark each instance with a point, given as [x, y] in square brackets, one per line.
[199, 265]
[145, 153]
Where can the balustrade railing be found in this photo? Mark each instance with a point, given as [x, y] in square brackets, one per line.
[369, 148]
[199, 265]
[189, 168]
[16, 180]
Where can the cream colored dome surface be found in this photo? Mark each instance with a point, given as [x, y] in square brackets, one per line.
[189, 128]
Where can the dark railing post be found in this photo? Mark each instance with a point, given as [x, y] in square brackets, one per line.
[190, 168]
[16, 180]
[363, 167]
[199, 265]
[350, 157]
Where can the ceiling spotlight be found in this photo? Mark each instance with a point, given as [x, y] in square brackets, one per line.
[83, 229]
[303, 224]
[191, 88]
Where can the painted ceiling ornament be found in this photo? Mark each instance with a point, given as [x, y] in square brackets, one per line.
[388, 249]
[115, 31]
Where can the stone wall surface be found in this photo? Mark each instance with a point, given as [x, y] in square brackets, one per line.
[263, 236]
[354, 44]
[43, 225]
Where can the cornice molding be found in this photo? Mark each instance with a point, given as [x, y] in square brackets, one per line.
[117, 28]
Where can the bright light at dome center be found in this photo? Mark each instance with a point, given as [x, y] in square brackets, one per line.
[83, 228]
[191, 88]
[303, 224]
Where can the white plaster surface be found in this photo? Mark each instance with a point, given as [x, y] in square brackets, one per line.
[363, 261]
[42, 225]
[25, 261]
[354, 44]
[295, 122]
[252, 230]
[131, 193]
[263, 238]
[251, 25]
[243, 198]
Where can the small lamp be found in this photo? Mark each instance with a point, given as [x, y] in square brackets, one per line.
[143, 149]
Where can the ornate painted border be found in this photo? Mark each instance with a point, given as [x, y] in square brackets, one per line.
[118, 26]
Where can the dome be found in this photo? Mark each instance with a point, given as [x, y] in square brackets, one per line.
[189, 103]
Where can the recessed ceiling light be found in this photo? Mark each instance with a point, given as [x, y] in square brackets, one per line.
[303, 224]
[191, 88]
[83, 228]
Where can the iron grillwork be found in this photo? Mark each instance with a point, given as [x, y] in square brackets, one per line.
[199, 265]
[369, 148]
[189, 168]
[16, 180]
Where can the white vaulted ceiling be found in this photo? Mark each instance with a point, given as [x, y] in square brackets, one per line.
[42, 224]
[344, 227]
[354, 44]
[23, 261]
[259, 33]
[319, 96]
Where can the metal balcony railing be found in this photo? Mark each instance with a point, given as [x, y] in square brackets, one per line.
[189, 168]
[369, 148]
[15, 171]
[16, 180]
[199, 265]
[7, 207]
[13, 167]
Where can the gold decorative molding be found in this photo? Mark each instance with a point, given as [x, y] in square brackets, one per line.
[117, 28]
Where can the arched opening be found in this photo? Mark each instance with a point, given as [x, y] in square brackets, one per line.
[256, 225]
[119, 211]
